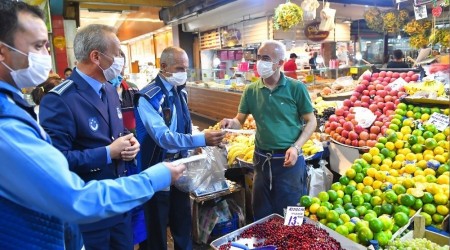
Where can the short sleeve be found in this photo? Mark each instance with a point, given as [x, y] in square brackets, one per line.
[243, 105]
[304, 104]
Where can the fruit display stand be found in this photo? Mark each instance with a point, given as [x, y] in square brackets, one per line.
[420, 231]
[223, 242]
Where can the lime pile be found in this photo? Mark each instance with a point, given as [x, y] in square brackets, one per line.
[407, 170]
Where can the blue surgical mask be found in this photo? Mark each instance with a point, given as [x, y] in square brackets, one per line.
[116, 81]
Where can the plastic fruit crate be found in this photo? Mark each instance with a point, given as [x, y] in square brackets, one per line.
[226, 226]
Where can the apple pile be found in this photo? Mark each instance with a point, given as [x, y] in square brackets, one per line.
[373, 93]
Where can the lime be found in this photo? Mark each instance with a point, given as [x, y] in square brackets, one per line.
[376, 200]
[332, 216]
[336, 186]
[387, 222]
[370, 216]
[353, 237]
[362, 210]
[323, 196]
[359, 177]
[407, 200]
[382, 139]
[427, 134]
[425, 110]
[382, 238]
[327, 204]
[352, 213]
[365, 235]
[387, 209]
[428, 219]
[429, 209]
[331, 225]
[332, 195]
[322, 212]
[416, 148]
[412, 139]
[348, 206]
[343, 230]
[430, 143]
[376, 225]
[315, 200]
[344, 217]
[344, 180]
[401, 209]
[401, 219]
[349, 190]
[306, 201]
[350, 226]
[390, 196]
[347, 199]
[437, 218]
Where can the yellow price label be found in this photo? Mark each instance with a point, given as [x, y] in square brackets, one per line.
[353, 70]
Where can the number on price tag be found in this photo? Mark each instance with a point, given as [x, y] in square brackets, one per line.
[294, 216]
[439, 120]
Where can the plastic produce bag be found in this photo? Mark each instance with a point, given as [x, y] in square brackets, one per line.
[202, 169]
[320, 178]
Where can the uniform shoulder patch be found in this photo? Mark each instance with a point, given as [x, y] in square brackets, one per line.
[151, 90]
[62, 87]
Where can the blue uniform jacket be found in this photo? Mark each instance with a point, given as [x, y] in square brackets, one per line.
[81, 126]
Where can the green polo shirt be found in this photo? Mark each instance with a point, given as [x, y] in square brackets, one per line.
[277, 112]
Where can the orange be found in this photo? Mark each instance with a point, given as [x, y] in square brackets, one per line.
[410, 168]
[350, 173]
[429, 171]
[371, 172]
[314, 207]
[380, 176]
[376, 159]
[400, 157]
[393, 172]
[419, 157]
[384, 167]
[440, 199]
[390, 145]
[411, 157]
[399, 144]
[376, 184]
[440, 158]
[368, 181]
[428, 157]
[425, 117]
[443, 179]
[442, 210]
[421, 164]
[396, 164]
[408, 183]
[374, 151]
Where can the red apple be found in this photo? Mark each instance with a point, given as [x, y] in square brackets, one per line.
[382, 74]
[357, 104]
[395, 75]
[371, 143]
[339, 130]
[364, 135]
[397, 101]
[374, 129]
[371, 87]
[348, 141]
[403, 75]
[407, 79]
[367, 77]
[366, 92]
[388, 98]
[380, 105]
[355, 143]
[365, 98]
[410, 73]
[344, 133]
[373, 107]
[359, 129]
[392, 79]
[352, 135]
[376, 75]
[377, 113]
[384, 83]
[342, 140]
[339, 111]
[360, 88]
[401, 93]
[390, 105]
[348, 102]
[379, 86]
[365, 82]
[415, 78]
[389, 74]
[372, 136]
[376, 82]
[346, 113]
[381, 93]
[334, 125]
[361, 143]
[357, 94]
[348, 126]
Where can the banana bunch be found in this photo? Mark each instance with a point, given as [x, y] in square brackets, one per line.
[320, 105]
[241, 150]
[311, 147]
[430, 86]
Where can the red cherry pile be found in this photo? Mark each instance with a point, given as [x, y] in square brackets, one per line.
[373, 93]
[306, 236]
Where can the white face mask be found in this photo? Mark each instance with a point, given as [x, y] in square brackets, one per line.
[115, 69]
[265, 69]
[39, 67]
[177, 79]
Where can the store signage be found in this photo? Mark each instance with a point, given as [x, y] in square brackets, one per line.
[294, 216]
[313, 33]
[439, 120]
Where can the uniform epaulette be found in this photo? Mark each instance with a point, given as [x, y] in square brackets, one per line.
[59, 90]
[151, 90]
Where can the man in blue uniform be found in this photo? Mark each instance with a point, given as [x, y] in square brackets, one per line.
[83, 117]
[163, 127]
[37, 190]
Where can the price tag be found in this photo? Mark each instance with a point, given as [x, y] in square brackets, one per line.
[439, 120]
[294, 216]
[397, 84]
[353, 70]
[364, 116]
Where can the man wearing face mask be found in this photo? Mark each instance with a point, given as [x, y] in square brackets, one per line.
[280, 105]
[38, 192]
[83, 117]
[163, 126]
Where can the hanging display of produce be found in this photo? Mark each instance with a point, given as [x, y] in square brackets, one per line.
[287, 15]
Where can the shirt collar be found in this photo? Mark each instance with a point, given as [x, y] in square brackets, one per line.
[166, 84]
[96, 85]
[11, 88]
[281, 82]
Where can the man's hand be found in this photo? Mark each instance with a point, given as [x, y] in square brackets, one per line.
[227, 123]
[130, 153]
[214, 138]
[290, 158]
[175, 171]
[119, 145]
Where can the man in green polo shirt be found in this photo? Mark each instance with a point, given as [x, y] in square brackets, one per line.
[280, 106]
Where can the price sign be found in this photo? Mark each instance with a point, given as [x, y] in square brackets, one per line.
[439, 120]
[397, 84]
[294, 216]
[353, 70]
[364, 116]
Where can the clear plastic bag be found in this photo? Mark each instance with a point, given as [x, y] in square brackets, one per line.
[320, 179]
[202, 169]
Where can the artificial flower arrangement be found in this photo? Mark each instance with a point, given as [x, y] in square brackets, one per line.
[374, 19]
[287, 15]
[391, 21]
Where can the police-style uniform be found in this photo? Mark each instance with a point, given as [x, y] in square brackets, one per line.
[166, 208]
[81, 125]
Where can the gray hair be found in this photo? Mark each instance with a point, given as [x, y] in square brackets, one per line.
[168, 55]
[279, 48]
[89, 38]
